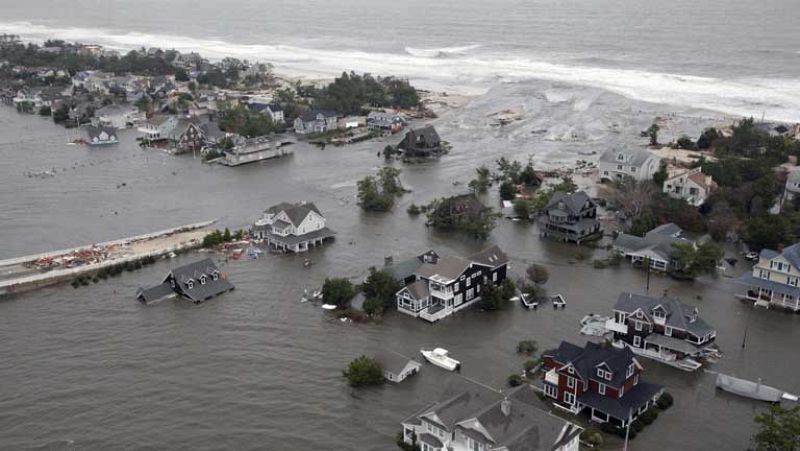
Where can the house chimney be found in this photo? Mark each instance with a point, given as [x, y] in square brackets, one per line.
[505, 407]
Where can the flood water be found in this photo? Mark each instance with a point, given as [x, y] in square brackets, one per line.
[91, 368]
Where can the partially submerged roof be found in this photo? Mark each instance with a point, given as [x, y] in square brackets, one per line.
[679, 315]
[491, 256]
[393, 362]
[193, 272]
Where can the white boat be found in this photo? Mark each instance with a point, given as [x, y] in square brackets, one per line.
[558, 301]
[440, 358]
[594, 325]
[514, 299]
[328, 306]
[529, 302]
[753, 390]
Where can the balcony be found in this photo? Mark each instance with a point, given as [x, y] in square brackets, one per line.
[616, 327]
[434, 313]
[551, 377]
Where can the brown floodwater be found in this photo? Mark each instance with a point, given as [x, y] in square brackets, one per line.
[91, 368]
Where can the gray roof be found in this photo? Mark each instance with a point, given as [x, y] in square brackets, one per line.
[159, 119]
[573, 203]
[678, 313]
[156, 293]
[633, 157]
[114, 108]
[792, 254]
[392, 361]
[418, 289]
[620, 408]
[448, 267]
[492, 257]
[793, 177]
[311, 115]
[281, 224]
[193, 271]
[586, 360]
[525, 427]
[430, 439]
[668, 229]
[296, 212]
[94, 132]
[659, 241]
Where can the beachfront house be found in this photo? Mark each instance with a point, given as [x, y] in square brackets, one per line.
[481, 419]
[159, 127]
[570, 217]
[292, 227]
[421, 142]
[443, 286]
[385, 122]
[118, 115]
[615, 164]
[101, 135]
[315, 121]
[774, 280]
[245, 151]
[405, 271]
[397, 367]
[600, 380]
[196, 282]
[665, 329]
[690, 185]
[270, 109]
[656, 246]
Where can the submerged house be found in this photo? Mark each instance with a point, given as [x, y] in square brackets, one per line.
[197, 282]
[657, 246]
[481, 419]
[421, 142]
[445, 285]
[99, 136]
[774, 280]
[396, 367]
[664, 329]
[602, 381]
[570, 217]
[292, 227]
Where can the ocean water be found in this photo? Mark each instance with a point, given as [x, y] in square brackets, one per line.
[736, 57]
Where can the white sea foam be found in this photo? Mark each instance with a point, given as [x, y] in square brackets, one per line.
[467, 69]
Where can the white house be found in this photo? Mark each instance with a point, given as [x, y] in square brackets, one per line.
[637, 163]
[158, 127]
[656, 246]
[481, 419]
[774, 281]
[273, 110]
[292, 227]
[396, 367]
[690, 185]
[792, 189]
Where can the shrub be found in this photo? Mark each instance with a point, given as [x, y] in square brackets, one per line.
[648, 416]
[364, 371]
[582, 253]
[609, 428]
[637, 425]
[529, 365]
[665, 401]
[338, 291]
[514, 380]
[373, 307]
[75, 283]
[407, 446]
[527, 347]
[592, 437]
[600, 264]
[413, 210]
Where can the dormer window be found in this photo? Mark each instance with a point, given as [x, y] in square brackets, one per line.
[621, 157]
[203, 279]
[603, 374]
[190, 284]
[215, 275]
[570, 370]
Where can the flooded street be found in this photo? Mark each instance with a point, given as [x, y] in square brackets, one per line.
[91, 368]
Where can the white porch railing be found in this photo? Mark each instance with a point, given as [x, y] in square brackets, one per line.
[616, 327]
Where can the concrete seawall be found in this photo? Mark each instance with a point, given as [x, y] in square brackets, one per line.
[174, 240]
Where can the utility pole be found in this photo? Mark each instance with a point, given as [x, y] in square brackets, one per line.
[627, 430]
[647, 268]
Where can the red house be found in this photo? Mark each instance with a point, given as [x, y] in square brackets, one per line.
[601, 380]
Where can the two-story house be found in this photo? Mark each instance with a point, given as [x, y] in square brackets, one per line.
[197, 282]
[478, 419]
[690, 185]
[792, 188]
[600, 379]
[385, 121]
[292, 227]
[637, 163]
[445, 285]
[421, 142]
[270, 109]
[570, 217]
[159, 127]
[663, 329]
[774, 280]
[315, 121]
[118, 115]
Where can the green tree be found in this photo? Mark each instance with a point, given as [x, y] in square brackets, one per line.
[491, 296]
[527, 347]
[374, 307]
[566, 185]
[381, 286]
[507, 289]
[522, 208]
[507, 190]
[779, 429]
[684, 142]
[379, 193]
[61, 114]
[226, 236]
[44, 110]
[652, 133]
[338, 291]
[695, 260]
[707, 138]
[481, 183]
[364, 371]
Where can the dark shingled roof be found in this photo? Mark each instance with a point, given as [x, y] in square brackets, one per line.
[586, 360]
[678, 313]
[94, 132]
[492, 257]
[620, 408]
[448, 267]
[193, 271]
[418, 289]
[311, 115]
[392, 361]
[296, 212]
[572, 202]
[156, 293]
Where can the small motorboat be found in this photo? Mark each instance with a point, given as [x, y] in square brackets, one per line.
[753, 390]
[439, 357]
[328, 306]
[529, 301]
[558, 301]
[515, 299]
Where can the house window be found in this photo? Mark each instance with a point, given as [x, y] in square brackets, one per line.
[764, 274]
[638, 325]
[633, 169]
[569, 398]
[630, 371]
[215, 275]
[468, 281]
[570, 370]
[619, 167]
[668, 331]
[551, 390]
[570, 382]
[202, 280]
[494, 277]
[601, 388]
[637, 341]
[636, 379]
[190, 284]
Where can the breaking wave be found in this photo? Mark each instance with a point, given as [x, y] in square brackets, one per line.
[469, 72]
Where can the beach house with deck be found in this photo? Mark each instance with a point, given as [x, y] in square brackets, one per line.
[774, 280]
[656, 246]
[445, 285]
[616, 164]
[292, 227]
[600, 380]
[570, 217]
